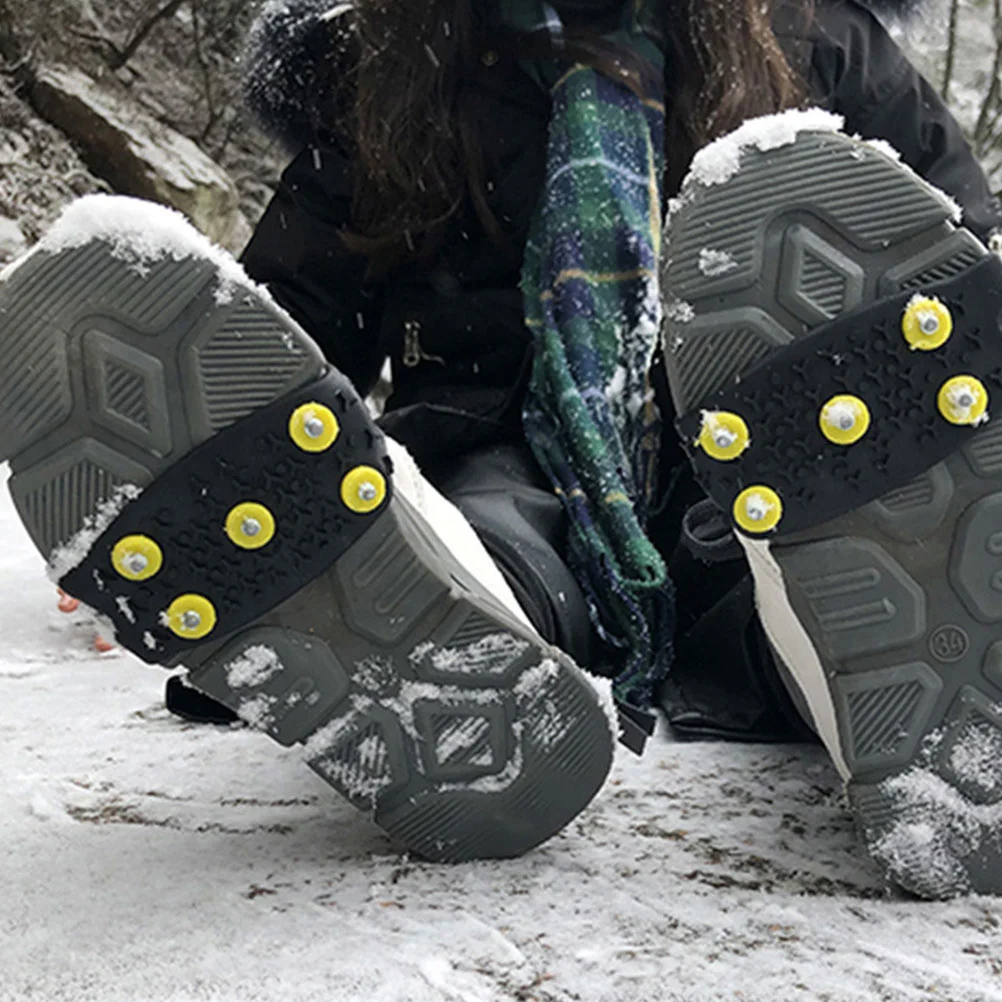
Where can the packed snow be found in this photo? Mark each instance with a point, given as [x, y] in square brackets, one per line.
[491, 655]
[679, 312]
[72, 553]
[254, 667]
[719, 161]
[145, 858]
[714, 263]
[141, 233]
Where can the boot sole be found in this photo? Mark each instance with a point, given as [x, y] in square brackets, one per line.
[889, 619]
[415, 693]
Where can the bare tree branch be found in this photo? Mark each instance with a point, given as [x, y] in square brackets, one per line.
[991, 98]
[951, 48]
[141, 33]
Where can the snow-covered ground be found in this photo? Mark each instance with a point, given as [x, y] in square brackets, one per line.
[145, 860]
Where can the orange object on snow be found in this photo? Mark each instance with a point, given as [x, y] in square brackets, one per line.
[67, 603]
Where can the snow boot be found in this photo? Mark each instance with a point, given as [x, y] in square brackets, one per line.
[833, 350]
[193, 469]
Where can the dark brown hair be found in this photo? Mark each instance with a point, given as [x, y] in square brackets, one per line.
[415, 131]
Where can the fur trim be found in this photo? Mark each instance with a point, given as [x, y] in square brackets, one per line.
[291, 40]
[287, 47]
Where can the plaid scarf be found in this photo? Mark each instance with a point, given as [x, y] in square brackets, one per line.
[590, 283]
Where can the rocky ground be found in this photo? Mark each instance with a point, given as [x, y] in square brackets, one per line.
[168, 124]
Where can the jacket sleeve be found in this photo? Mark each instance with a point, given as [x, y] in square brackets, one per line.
[870, 82]
[297, 252]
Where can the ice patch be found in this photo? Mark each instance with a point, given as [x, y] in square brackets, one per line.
[714, 263]
[72, 553]
[253, 668]
[719, 161]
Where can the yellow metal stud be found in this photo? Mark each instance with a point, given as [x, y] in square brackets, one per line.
[963, 400]
[724, 435]
[363, 489]
[844, 420]
[191, 617]
[314, 428]
[250, 526]
[758, 509]
[137, 558]
[927, 323]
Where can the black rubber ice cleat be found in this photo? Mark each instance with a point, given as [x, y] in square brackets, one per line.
[832, 336]
[189, 464]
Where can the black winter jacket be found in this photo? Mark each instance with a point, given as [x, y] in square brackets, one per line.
[454, 333]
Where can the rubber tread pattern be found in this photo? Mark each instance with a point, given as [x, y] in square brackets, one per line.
[78, 321]
[858, 190]
[459, 730]
[58, 494]
[245, 365]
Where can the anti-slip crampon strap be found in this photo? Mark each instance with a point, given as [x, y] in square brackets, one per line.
[861, 406]
[239, 524]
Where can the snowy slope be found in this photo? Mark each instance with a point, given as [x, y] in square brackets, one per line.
[145, 860]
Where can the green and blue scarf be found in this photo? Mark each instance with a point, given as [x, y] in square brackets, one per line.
[590, 283]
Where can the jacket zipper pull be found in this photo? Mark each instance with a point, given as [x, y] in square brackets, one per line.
[412, 343]
[413, 352]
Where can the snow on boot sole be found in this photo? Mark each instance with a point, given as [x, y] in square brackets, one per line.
[131, 350]
[888, 618]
